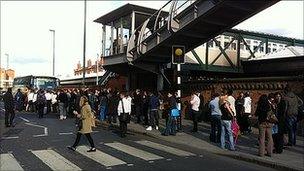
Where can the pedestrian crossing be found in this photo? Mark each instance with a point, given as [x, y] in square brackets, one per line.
[52, 158]
[8, 162]
[134, 151]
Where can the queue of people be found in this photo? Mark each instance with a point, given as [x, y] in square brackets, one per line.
[276, 113]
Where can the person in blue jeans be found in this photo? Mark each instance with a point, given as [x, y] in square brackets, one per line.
[103, 105]
[226, 120]
[293, 103]
[171, 121]
[216, 126]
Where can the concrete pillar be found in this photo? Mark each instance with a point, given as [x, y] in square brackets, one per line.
[128, 82]
[160, 80]
[133, 22]
[121, 36]
[103, 40]
[112, 38]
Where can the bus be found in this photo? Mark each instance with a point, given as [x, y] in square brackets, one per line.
[31, 82]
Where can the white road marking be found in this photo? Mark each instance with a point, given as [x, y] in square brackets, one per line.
[9, 162]
[100, 157]
[26, 120]
[8, 138]
[130, 164]
[40, 135]
[134, 151]
[66, 133]
[54, 160]
[165, 148]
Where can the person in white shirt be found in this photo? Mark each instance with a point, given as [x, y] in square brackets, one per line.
[247, 112]
[124, 111]
[35, 100]
[30, 104]
[195, 103]
[54, 102]
[48, 98]
[231, 100]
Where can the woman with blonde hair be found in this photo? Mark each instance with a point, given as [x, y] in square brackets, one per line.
[85, 125]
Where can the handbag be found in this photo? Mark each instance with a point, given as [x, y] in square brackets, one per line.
[235, 129]
[79, 123]
[271, 117]
[175, 112]
[124, 117]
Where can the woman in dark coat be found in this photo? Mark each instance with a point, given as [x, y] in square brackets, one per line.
[265, 127]
[281, 108]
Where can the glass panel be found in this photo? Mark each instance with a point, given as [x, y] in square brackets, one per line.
[46, 83]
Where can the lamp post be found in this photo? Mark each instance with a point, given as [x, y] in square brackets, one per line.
[97, 68]
[84, 42]
[53, 31]
[7, 61]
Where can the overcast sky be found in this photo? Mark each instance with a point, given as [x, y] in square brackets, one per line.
[25, 34]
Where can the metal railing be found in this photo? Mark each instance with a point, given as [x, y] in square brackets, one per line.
[158, 21]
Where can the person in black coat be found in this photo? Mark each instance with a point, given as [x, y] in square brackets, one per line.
[280, 112]
[9, 108]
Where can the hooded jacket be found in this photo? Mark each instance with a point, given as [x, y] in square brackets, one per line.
[293, 102]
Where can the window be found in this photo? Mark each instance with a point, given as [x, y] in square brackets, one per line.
[227, 37]
[248, 42]
[274, 45]
[219, 43]
[261, 49]
[255, 48]
[210, 44]
[269, 50]
[274, 49]
[256, 42]
[226, 44]
[233, 46]
[242, 47]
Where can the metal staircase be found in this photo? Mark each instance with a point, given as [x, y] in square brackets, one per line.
[189, 23]
[105, 78]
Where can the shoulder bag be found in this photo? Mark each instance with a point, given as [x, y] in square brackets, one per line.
[124, 117]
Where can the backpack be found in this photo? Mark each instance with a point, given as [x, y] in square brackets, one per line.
[41, 99]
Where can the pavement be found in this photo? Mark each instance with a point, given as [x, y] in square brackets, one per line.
[247, 149]
[40, 144]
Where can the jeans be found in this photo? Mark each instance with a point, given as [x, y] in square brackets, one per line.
[153, 118]
[170, 126]
[226, 126]
[102, 113]
[216, 128]
[62, 110]
[9, 116]
[138, 113]
[291, 125]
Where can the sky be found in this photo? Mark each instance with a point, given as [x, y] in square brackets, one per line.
[26, 38]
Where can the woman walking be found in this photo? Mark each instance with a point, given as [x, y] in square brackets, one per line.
[124, 110]
[265, 126]
[86, 123]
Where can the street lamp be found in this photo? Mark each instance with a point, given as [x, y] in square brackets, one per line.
[84, 41]
[7, 60]
[53, 31]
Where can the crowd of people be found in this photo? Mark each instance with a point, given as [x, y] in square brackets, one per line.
[276, 112]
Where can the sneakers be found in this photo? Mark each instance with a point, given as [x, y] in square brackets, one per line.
[149, 128]
[71, 148]
[91, 150]
[156, 128]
